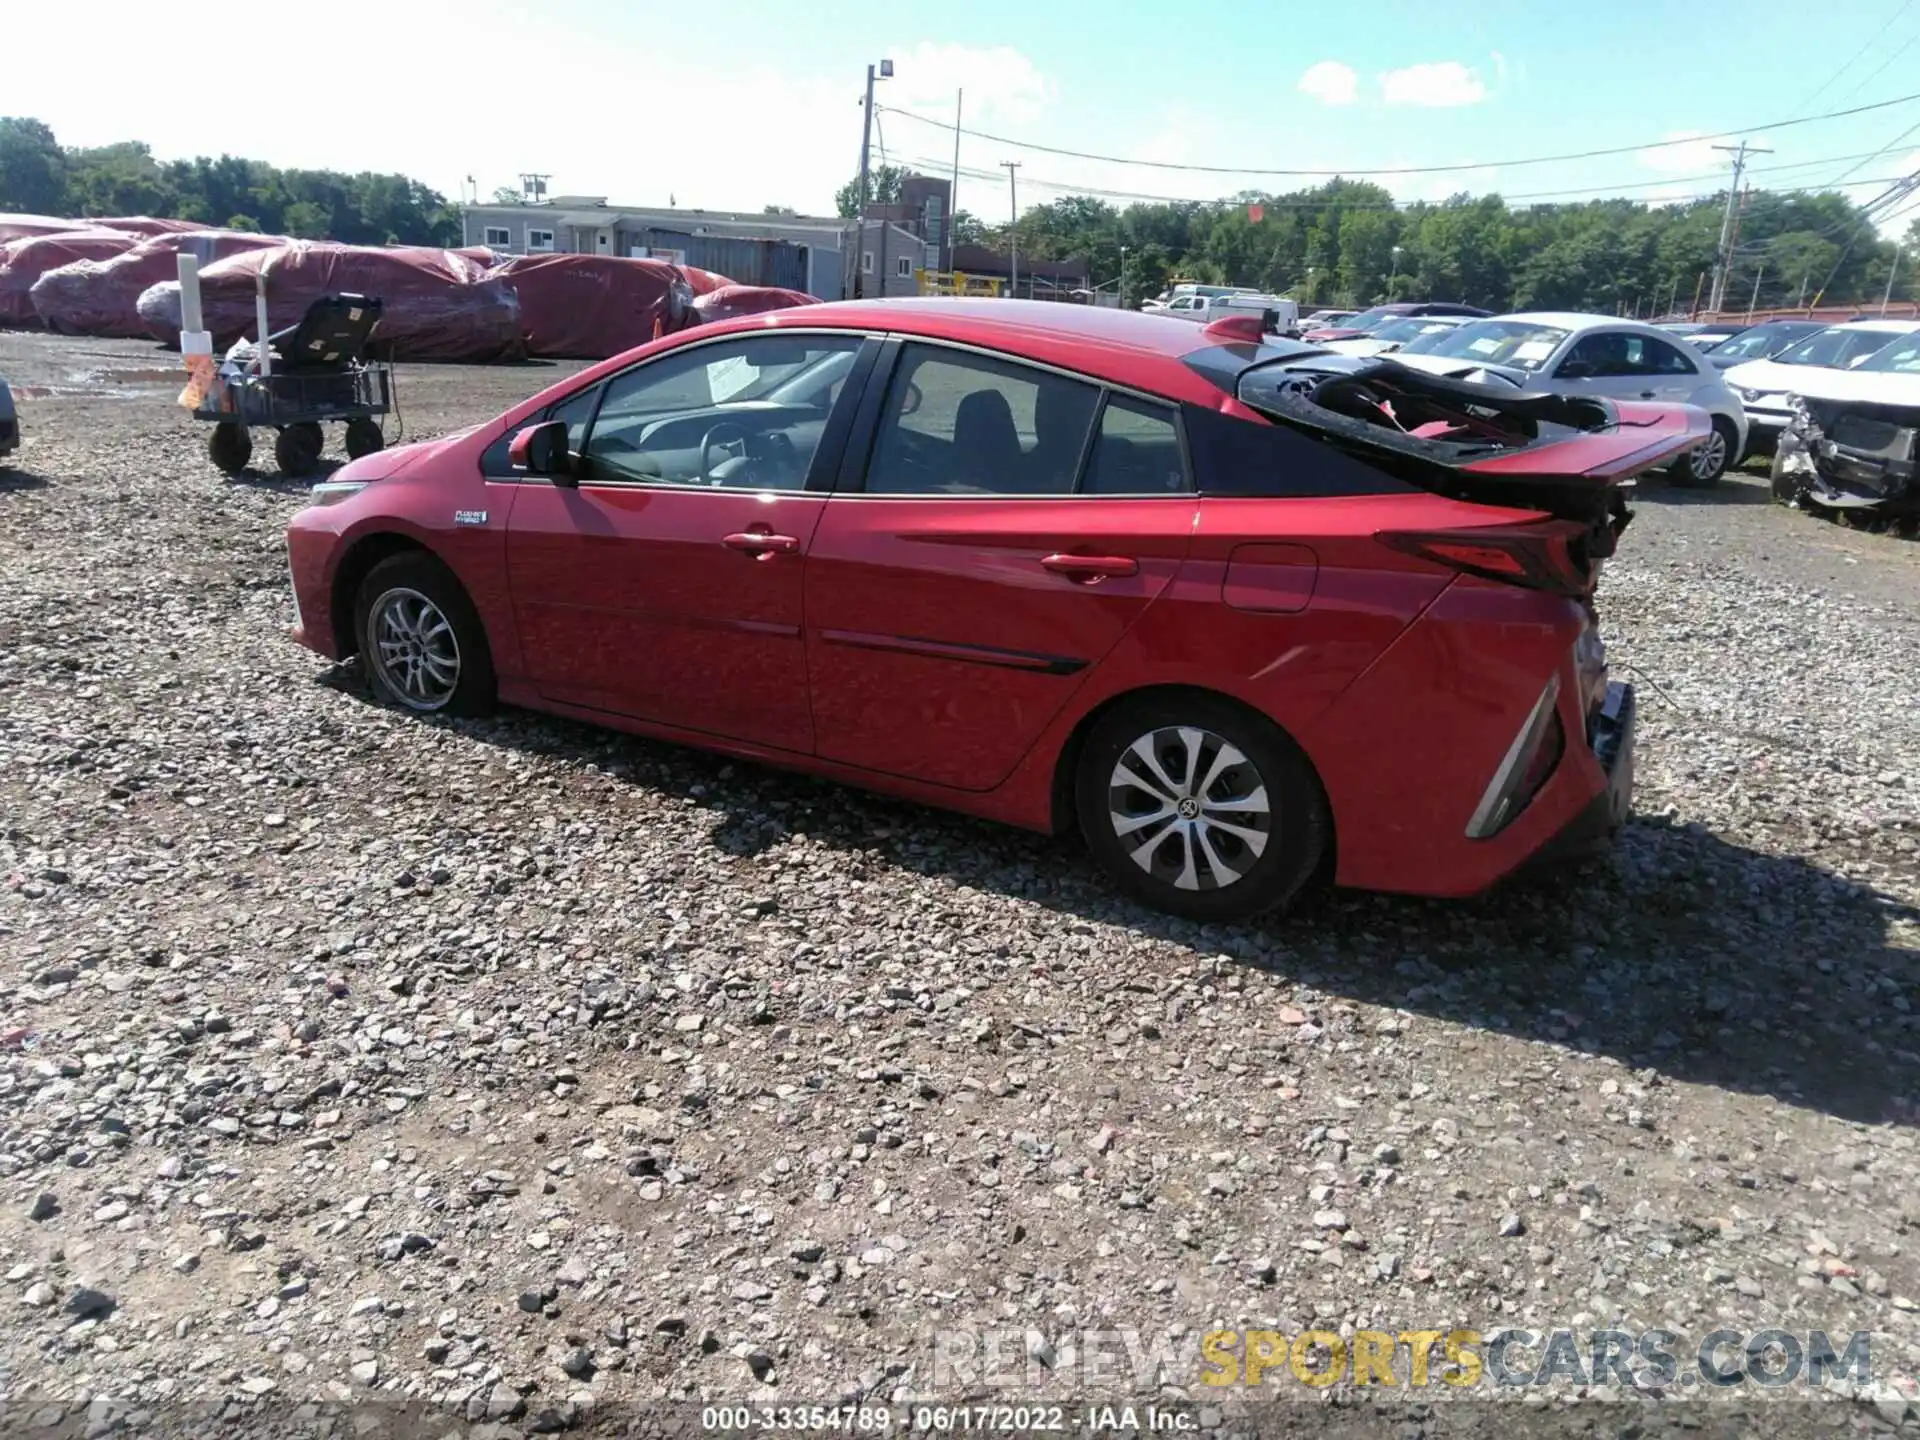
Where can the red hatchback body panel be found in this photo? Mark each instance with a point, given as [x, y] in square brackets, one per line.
[952, 648]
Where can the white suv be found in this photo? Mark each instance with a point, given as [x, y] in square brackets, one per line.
[1763, 385]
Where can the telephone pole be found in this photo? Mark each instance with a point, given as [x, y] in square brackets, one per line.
[1013, 229]
[885, 72]
[1887, 297]
[1723, 261]
[1753, 300]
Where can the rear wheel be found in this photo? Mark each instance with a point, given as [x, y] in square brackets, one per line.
[1200, 807]
[363, 437]
[230, 447]
[1705, 464]
[421, 639]
[297, 449]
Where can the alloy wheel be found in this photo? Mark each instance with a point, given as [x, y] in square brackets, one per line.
[1711, 458]
[415, 649]
[1189, 808]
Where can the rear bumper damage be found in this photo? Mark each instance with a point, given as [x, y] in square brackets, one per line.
[1850, 457]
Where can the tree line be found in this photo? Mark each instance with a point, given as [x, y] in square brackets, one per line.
[1348, 243]
[41, 177]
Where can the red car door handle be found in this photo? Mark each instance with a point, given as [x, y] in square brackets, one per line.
[1091, 567]
[761, 543]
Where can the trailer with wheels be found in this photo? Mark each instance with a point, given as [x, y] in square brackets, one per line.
[317, 373]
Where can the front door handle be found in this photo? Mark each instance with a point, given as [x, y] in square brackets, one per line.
[1088, 568]
[761, 544]
[1646, 394]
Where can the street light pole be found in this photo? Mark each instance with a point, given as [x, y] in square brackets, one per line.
[1013, 230]
[1888, 296]
[883, 72]
[1122, 290]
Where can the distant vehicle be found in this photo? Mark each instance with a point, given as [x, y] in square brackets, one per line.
[1397, 335]
[9, 422]
[1598, 355]
[1711, 337]
[1279, 314]
[1369, 320]
[1188, 296]
[1763, 385]
[1759, 342]
[981, 504]
[1327, 319]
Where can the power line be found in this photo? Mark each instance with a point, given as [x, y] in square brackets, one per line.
[1405, 169]
[1870, 42]
[1883, 65]
[1070, 188]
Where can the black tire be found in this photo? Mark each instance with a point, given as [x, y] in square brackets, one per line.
[400, 581]
[1264, 876]
[296, 449]
[1688, 476]
[363, 437]
[230, 446]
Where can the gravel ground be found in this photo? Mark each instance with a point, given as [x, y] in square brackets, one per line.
[524, 1071]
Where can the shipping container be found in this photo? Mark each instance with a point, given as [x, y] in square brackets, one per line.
[746, 261]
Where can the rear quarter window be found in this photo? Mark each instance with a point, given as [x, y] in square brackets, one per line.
[1231, 456]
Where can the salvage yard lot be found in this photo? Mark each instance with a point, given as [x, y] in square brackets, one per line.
[773, 1078]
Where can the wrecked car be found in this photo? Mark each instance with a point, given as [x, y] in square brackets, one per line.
[1849, 449]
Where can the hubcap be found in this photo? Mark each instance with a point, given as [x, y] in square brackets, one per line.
[1190, 808]
[1710, 457]
[415, 649]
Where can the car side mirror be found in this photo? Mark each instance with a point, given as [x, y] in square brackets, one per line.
[1575, 370]
[542, 450]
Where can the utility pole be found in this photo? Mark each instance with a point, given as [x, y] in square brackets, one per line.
[885, 72]
[1800, 300]
[953, 190]
[1673, 296]
[1887, 297]
[1013, 229]
[1723, 261]
[1754, 299]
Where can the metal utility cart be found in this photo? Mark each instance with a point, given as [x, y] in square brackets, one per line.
[318, 371]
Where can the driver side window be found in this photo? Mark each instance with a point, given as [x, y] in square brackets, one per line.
[745, 413]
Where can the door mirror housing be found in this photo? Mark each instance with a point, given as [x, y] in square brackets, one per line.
[1576, 370]
[542, 450]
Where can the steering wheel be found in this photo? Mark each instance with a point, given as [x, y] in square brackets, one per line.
[723, 436]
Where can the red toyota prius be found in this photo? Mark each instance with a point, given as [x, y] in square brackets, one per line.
[1242, 612]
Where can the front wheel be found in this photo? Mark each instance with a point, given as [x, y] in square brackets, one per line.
[230, 446]
[1704, 465]
[297, 449]
[421, 639]
[363, 437]
[1200, 807]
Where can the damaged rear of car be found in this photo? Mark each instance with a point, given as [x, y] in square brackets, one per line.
[1849, 449]
[1519, 744]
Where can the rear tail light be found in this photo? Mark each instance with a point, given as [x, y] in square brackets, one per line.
[1527, 765]
[1551, 555]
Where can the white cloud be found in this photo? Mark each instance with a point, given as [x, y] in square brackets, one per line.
[1331, 83]
[1001, 84]
[1437, 84]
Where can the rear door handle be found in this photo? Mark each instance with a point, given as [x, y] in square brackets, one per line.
[1091, 567]
[1646, 394]
[761, 544]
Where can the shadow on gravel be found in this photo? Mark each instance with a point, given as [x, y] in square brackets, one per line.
[1737, 489]
[1709, 962]
[13, 478]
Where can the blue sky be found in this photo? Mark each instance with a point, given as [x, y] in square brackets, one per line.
[742, 103]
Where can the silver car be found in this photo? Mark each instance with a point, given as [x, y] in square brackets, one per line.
[1597, 355]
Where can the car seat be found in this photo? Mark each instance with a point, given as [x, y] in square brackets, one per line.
[986, 446]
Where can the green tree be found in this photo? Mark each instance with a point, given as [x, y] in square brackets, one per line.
[33, 171]
[883, 188]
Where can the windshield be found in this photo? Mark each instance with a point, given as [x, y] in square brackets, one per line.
[1431, 333]
[1762, 340]
[1840, 346]
[1900, 358]
[1518, 343]
[1400, 330]
[1370, 319]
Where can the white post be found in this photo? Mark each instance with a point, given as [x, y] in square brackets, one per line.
[260, 318]
[196, 345]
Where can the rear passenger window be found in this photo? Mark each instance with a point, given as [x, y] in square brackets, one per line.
[1137, 451]
[964, 424]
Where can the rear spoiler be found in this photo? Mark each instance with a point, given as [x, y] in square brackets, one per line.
[1486, 442]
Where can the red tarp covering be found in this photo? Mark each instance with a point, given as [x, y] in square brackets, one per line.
[587, 307]
[145, 225]
[24, 261]
[731, 300]
[438, 305]
[23, 227]
[101, 297]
